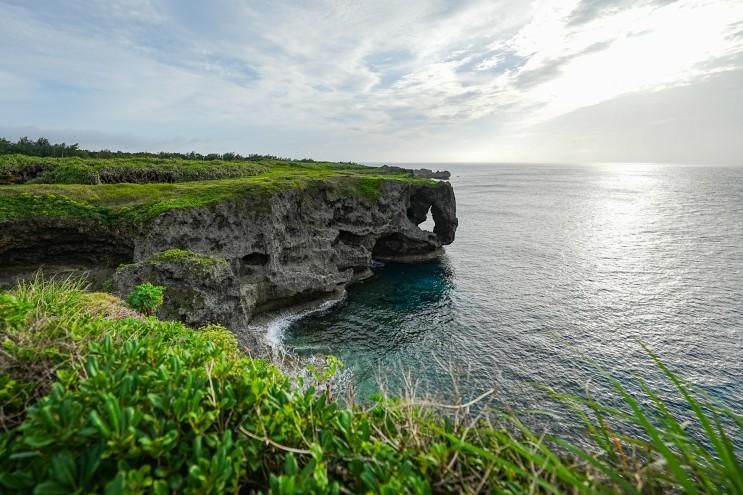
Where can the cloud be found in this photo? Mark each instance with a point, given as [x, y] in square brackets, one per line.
[588, 10]
[383, 77]
[695, 124]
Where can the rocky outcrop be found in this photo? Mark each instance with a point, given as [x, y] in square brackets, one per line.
[443, 207]
[295, 245]
[423, 173]
[430, 174]
[272, 249]
[201, 289]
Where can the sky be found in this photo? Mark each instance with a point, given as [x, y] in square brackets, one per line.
[569, 81]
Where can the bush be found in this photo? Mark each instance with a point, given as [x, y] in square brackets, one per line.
[147, 406]
[146, 298]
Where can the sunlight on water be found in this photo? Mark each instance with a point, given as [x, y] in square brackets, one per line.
[557, 271]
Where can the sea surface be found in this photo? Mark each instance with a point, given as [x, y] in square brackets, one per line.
[557, 276]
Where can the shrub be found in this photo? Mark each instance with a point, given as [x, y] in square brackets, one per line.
[186, 257]
[146, 298]
[148, 406]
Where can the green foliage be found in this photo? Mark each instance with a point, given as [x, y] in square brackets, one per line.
[126, 203]
[47, 205]
[40, 147]
[31, 353]
[185, 256]
[147, 406]
[331, 366]
[146, 298]
[43, 148]
[19, 169]
[223, 339]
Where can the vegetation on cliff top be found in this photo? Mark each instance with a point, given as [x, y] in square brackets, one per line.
[40, 179]
[43, 148]
[95, 398]
[138, 203]
[41, 162]
[23, 169]
[188, 257]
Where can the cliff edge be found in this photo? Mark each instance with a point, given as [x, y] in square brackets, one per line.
[227, 249]
[260, 254]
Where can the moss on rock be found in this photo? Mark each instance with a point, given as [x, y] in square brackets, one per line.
[126, 203]
[185, 256]
[201, 289]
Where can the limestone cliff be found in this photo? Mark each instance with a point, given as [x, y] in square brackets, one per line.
[256, 252]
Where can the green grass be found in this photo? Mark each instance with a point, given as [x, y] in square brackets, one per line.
[198, 264]
[138, 405]
[188, 257]
[73, 170]
[140, 203]
[41, 170]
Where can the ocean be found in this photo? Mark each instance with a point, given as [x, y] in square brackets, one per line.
[558, 276]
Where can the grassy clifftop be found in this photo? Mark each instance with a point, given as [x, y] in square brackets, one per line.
[139, 189]
[16, 169]
[95, 398]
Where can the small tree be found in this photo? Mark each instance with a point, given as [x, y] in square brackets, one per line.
[146, 298]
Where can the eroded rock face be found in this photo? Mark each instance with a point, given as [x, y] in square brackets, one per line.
[197, 293]
[301, 244]
[443, 208]
[276, 250]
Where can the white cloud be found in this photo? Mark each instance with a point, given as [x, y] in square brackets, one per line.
[383, 77]
[650, 48]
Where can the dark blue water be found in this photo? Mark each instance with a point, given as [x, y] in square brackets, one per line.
[557, 272]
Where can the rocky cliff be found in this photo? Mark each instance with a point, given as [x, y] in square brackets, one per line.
[228, 261]
[290, 247]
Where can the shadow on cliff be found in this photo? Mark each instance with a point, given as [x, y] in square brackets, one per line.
[61, 246]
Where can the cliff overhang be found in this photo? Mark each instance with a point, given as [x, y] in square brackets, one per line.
[272, 246]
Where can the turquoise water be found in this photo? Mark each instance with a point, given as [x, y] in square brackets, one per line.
[556, 272]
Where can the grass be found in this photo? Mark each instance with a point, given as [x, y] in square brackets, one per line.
[140, 203]
[139, 170]
[137, 405]
[201, 265]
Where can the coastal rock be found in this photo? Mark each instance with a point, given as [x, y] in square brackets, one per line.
[422, 173]
[267, 251]
[201, 289]
[430, 174]
[302, 244]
